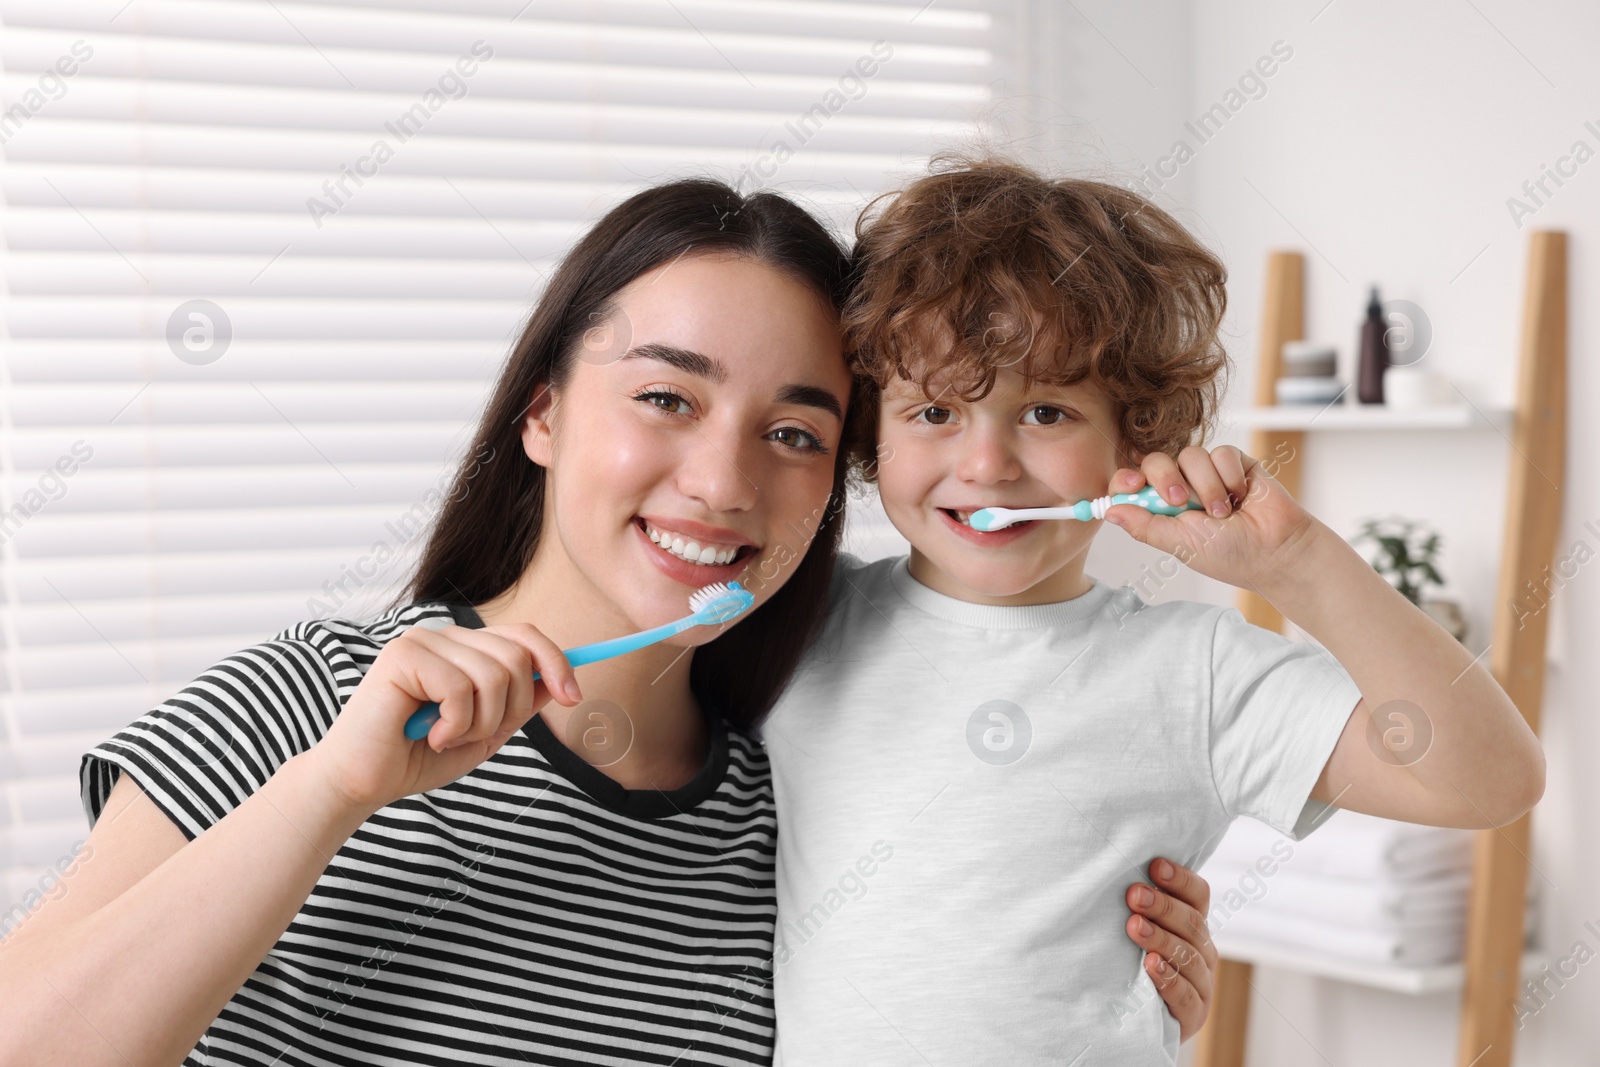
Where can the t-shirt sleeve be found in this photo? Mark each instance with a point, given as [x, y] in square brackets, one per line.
[1278, 708]
[202, 751]
[847, 571]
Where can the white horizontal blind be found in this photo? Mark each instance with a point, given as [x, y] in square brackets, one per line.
[165, 498]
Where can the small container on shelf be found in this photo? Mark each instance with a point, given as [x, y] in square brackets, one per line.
[1410, 387]
[1308, 390]
[1309, 374]
[1309, 359]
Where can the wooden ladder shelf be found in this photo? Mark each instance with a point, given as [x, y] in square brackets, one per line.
[1494, 942]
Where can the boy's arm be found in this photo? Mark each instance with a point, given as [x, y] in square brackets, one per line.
[1482, 765]
[1462, 754]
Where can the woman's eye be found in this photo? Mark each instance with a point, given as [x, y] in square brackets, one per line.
[799, 440]
[1045, 415]
[677, 405]
[664, 400]
[934, 416]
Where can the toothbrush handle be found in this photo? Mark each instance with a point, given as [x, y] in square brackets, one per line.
[422, 720]
[616, 646]
[1149, 498]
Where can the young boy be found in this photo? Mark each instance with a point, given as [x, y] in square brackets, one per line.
[953, 761]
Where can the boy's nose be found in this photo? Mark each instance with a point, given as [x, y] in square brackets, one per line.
[987, 455]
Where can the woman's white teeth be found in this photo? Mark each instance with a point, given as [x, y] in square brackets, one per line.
[693, 551]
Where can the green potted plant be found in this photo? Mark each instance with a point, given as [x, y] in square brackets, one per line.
[1406, 550]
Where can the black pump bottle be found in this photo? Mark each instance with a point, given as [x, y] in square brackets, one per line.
[1374, 353]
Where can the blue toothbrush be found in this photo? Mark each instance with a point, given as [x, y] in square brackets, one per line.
[987, 520]
[710, 605]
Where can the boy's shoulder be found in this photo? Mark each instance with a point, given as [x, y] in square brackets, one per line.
[851, 573]
[863, 583]
[1177, 626]
[1126, 603]
[860, 595]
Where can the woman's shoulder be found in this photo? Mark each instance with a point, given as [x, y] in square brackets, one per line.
[382, 626]
[747, 749]
[327, 654]
[216, 740]
[360, 638]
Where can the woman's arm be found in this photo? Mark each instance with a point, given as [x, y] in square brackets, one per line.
[1169, 923]
[149, 935]
[152, 935]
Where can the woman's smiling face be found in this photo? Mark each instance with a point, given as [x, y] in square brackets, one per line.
[694, 440]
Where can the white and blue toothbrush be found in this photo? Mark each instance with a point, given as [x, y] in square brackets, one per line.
[709, 605]
[988, 520]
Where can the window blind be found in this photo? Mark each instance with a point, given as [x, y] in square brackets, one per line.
[263, 260]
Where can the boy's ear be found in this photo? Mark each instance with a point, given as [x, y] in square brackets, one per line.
[538, 441]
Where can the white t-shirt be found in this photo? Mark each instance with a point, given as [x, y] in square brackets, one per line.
[964, 792]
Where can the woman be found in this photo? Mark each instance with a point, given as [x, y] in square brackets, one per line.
[282, 877]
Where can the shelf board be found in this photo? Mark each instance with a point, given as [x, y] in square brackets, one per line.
[1396, 978]
[1344, 416]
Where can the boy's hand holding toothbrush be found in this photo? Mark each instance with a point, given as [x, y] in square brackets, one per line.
[1484, 766]
[1250, 532]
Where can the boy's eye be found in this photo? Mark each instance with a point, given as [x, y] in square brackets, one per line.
[935, 416]
[1046, 415]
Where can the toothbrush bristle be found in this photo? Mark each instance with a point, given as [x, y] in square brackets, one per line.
[706, 593]
[720, 601]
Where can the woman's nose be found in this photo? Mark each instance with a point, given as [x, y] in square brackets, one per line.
[719, 470]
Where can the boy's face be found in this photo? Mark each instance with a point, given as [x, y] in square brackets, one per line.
[1044, 446]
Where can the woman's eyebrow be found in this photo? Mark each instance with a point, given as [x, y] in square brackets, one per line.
[811, 396]
[703, 366]
[700, 366]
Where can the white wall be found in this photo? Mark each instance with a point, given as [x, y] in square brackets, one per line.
[1391, 142]
[1385, 148]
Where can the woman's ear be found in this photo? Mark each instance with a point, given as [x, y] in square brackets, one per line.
[538, 441]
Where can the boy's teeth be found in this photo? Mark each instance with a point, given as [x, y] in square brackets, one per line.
[691, 551]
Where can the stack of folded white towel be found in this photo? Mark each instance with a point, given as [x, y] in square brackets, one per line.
[1368, 889]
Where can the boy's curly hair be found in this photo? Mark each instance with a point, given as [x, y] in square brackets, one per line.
[984, 264]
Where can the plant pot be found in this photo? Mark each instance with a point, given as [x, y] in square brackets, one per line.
[1448, 614]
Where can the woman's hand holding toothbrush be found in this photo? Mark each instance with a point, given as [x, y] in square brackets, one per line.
[483, 681]
[1251, 531]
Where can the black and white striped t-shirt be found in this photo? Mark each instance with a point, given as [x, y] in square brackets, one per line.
[531, 911]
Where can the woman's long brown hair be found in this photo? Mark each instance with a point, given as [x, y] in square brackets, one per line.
[488, 529]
